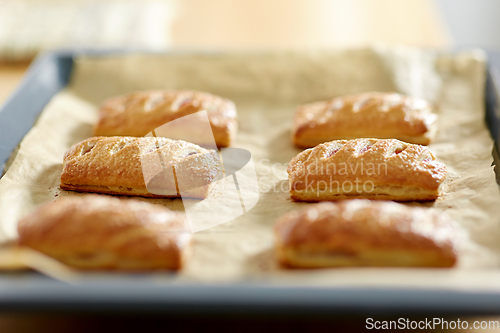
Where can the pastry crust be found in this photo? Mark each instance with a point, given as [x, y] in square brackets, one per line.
[366, 233]
[146, 166]
[384, 169]
[100, 232]
[139, 113]
[367, 115]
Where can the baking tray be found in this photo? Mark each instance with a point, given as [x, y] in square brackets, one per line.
[142, 293]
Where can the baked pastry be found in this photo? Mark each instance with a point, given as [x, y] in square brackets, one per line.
[367, 115]
[139, 113]
[146, 166]
[102, 232]
[366, 233]
[385, 169]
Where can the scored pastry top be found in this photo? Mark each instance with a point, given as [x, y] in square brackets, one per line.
[128, 150]
[394, 162]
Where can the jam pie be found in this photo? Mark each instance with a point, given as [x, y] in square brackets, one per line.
[384, 169]
[101, 232]
[366, 233]
[367, 115]
[146, 166]
[139, 113]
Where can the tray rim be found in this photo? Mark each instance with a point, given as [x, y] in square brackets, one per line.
[37, 293]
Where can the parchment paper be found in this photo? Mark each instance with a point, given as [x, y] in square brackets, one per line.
[266, 88]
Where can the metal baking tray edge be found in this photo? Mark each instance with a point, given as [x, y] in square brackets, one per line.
[138, 294]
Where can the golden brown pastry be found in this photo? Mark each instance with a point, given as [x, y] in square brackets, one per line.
[366, 233]
[146, 166]
[138, 113]
[365, 168]
[100, 232]
[367, 115]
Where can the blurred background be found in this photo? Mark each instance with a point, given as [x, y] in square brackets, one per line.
[28, 27]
